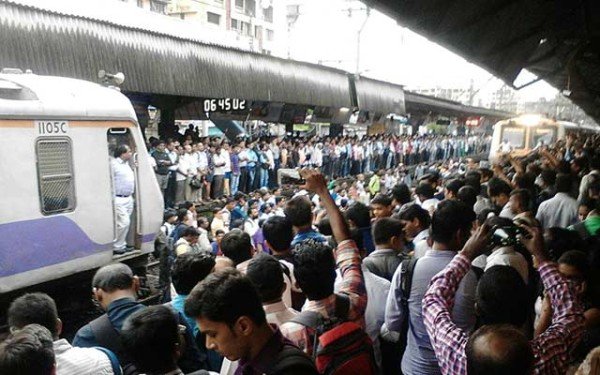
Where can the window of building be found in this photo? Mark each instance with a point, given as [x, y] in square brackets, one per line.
[246, 28]
[55, 175]
[257, 32]
[239, 4]
[158, 6]
[270, 35]
[268, 14]
[250, 8]
[235, 24]
[140, 3]
[213, 18]
[182, 16]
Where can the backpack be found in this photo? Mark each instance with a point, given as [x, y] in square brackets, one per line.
[407, 269]
[108, 337]
[163, 241]
[289, 359]
[339, 347]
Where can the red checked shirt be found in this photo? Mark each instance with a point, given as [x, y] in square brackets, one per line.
[349, 263]
[550, 349]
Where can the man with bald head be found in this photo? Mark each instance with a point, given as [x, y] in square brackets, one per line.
[115, 288]
[499, 349]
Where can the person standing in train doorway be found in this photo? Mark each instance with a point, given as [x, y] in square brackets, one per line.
[124, 183]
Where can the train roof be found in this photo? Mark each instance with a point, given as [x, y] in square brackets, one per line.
[26, 95]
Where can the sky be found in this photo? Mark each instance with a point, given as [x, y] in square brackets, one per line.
[326, 33]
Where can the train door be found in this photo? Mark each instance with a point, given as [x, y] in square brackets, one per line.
[115, 138]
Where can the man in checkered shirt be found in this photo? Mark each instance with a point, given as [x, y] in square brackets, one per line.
[497, 347]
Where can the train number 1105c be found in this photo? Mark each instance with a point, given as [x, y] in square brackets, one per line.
[52, 127]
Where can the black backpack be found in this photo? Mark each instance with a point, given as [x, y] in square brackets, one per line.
[407, 269]
[108, 337]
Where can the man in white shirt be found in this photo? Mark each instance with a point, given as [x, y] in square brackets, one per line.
[39, 308]
[251, 223]
[219, 162]
[416, 222]
[227, 177]
[560, 211]
[124, 184]
[425, 194]
[185, 171]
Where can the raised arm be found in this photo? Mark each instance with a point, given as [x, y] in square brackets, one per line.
[447, 339]
[316, 183]
[346, 253]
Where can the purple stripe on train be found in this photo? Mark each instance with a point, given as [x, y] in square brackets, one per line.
[31, 244]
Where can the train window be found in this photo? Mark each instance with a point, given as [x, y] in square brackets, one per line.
[514, 135]
[543, 136]
[55, 175]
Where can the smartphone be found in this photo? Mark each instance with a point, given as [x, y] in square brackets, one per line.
[289, 177]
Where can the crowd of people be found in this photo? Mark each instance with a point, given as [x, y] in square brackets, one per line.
[465, 269]
[200, 169]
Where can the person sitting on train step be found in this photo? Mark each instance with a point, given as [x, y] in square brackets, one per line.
[40, 308]
[28, 352]
[189, 238]
[229, 312]
[151, 338]
[124, 182]
[115, 288]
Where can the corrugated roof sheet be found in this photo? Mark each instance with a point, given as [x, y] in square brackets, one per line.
[417, 102]
[379, 96]
[58, 41]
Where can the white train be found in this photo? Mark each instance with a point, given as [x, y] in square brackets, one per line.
[524, 133]
[57, 215]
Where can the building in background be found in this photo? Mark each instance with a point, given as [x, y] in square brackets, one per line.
[254, 25]
[156, 6]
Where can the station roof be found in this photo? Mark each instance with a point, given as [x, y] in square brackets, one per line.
[423, 103]
[379, 96]
[165, 55]
[559, 41]
[157, 54]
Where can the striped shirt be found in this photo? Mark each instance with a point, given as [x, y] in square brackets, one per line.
[81, 361]
[550, 349]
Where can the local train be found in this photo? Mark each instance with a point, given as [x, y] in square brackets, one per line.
[524, 133]
[57, 215]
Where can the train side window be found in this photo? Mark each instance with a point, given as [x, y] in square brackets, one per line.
[117, 137]
[545, 136]
[514, 135]
[55, 175]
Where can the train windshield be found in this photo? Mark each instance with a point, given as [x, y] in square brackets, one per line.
[514, 135]
[542, 136]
